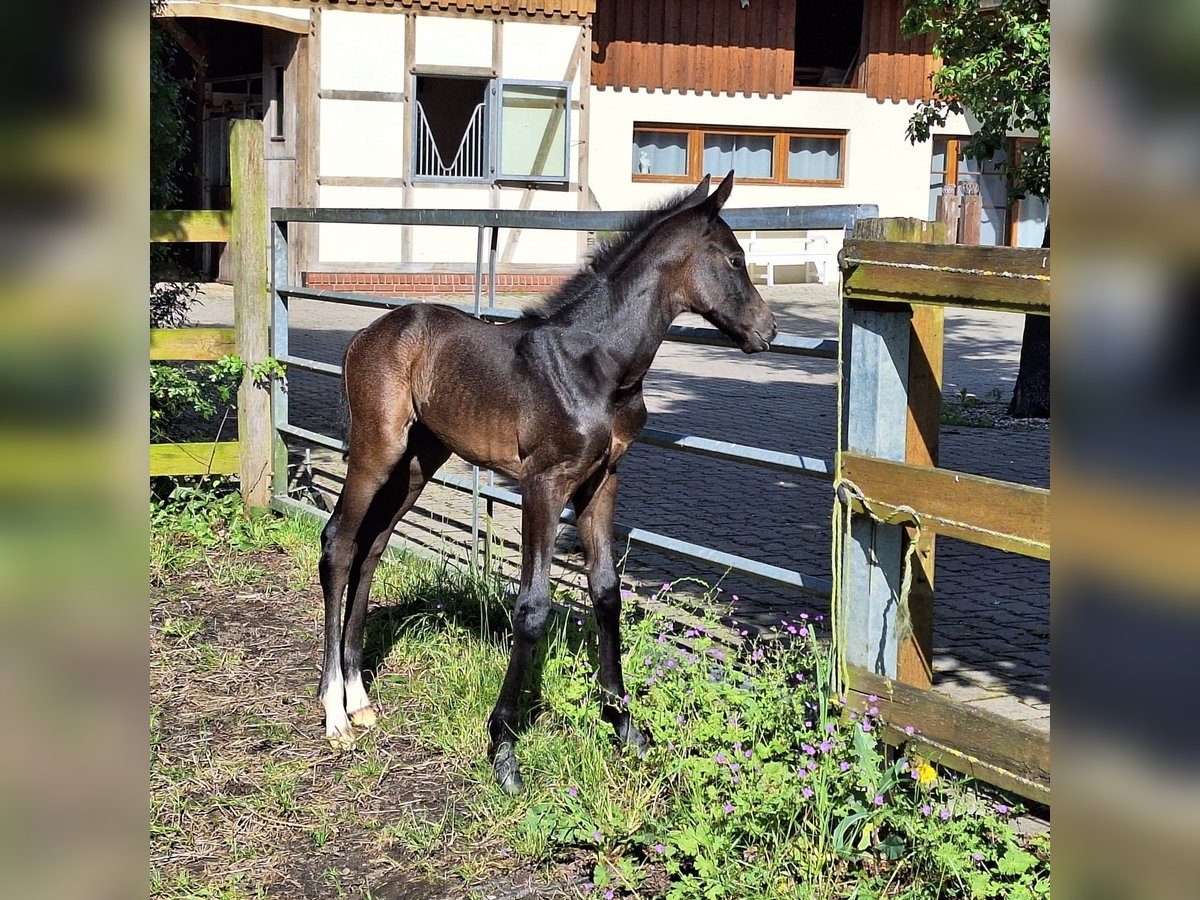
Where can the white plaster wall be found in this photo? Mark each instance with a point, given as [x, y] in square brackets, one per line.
[881, 167]
[362, 137]
[444, 244]
[445, 41]
[538, 246]
[539, 51]
[362, 52]
[360, 243]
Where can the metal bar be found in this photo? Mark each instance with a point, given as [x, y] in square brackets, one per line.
[279, 349]
[808, 583]
[785, 344]
[313, 437]
[495, 241]
[788, 344]
[765, 218]
[478, 269]
[767, 459]
[310, 365]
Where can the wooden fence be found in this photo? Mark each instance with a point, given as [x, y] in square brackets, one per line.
[892, 500]
[245, 228]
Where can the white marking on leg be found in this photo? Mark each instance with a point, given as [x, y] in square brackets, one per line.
[356, 695]
[334, 700]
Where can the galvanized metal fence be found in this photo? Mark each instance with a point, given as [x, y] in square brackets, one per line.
[488, 224]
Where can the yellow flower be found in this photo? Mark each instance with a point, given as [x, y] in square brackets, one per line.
[926, 774]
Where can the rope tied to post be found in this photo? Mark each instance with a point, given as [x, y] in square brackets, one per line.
[848, 500]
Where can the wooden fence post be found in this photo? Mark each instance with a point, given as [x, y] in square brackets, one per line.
[972, 213]
[947, 211]
[892, 371]
[251, 307]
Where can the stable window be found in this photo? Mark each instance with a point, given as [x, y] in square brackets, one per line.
[469, 129]
[685, 153]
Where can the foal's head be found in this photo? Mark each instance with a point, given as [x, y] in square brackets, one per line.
[709, 272]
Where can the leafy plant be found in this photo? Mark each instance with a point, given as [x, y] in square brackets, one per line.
[996, 65]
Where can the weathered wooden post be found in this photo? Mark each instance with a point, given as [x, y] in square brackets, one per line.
[972, 213]
[947, 211]
[891, 371]
[251, 308]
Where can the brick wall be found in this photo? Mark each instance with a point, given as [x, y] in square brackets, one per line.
[428, 282]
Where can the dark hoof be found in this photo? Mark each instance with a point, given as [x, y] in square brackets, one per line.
[507, 770]
[632, 738]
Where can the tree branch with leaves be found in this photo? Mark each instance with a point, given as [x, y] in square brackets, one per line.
[995, 69]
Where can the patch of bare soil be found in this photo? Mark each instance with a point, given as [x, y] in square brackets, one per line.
[247, 796]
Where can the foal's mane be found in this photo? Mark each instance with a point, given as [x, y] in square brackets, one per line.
[607, 258]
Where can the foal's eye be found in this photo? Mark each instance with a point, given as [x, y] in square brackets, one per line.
[736, 262]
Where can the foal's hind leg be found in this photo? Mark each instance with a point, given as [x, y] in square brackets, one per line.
[365, 500]
[595, 505]
[425, 455]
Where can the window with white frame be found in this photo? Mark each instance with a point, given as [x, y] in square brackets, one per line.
[471, 129]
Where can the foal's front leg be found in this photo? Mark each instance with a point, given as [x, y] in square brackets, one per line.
[542, 501]
[594, 508]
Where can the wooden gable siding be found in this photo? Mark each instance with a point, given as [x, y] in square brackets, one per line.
[686, 45]
[893, 67]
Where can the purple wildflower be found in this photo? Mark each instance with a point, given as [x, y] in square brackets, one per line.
[944, 815]
[808, 748]
[721, 759]
[728, 808]
[660, 849]
[978, 857]
[734, 597]
[872, 698]
[908, 729]
[572, 792]
[825, 746]
[807, 793]
[1002, 809]
[926, 809]
[844, 766]
[878, 800]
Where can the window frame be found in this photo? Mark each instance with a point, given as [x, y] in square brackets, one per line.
[780, 147]
[492, 131]
[496, 115]
[952, 175]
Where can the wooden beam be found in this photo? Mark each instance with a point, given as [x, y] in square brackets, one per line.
[191, 343]
[990, 261]
[1010, 754]
[1000, 514]
[235, 14]
[887, 283]
[189, 226]
[251, 308]
[194, 459]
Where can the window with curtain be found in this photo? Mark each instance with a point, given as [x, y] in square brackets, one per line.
[688, 152]
[814, 159]
[660, 153]
[748, 155]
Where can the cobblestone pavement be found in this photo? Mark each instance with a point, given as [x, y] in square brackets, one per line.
[992, 614]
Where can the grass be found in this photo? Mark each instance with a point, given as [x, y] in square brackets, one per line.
[758, 784]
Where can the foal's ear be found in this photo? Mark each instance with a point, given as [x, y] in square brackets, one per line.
[698, 196]
[720, 195]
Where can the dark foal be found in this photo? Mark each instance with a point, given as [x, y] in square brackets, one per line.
[552, 400]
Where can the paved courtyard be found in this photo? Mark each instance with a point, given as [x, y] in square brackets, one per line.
[992, 613]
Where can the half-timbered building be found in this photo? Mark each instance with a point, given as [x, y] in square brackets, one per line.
[563, 104]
